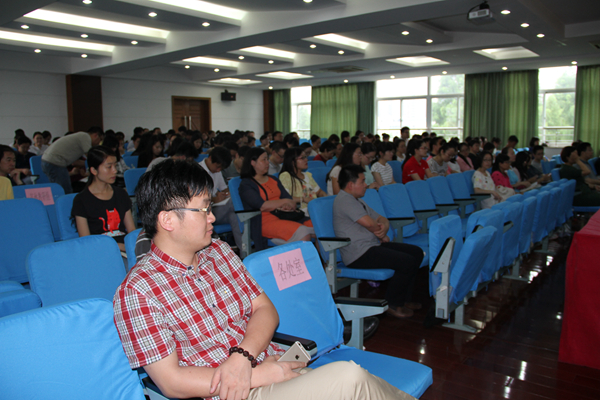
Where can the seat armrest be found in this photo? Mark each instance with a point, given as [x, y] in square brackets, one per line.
[285, 341]
[360, 302]
[334, 243]
[398, 223]
[354, 309]
[464, 202]
[480, 196]
[424, 214]
[508, 225]
[245, 215]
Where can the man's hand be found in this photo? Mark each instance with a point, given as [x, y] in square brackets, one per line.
[232, 378]
[381, 231]
[15, 175]
[219, 197]
[386, 239]
[270, 371]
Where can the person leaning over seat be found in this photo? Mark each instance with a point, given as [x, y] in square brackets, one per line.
[188, 307]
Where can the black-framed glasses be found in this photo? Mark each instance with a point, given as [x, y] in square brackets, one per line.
[207, 210]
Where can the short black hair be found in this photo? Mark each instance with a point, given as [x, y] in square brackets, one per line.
[314, 138]
[536, 149]
[566, 152]
[326, 146]
[334, 138]
[23, 139]
[243, 150]
[169, 184]
[277, 145]
[231, 145]
[221, 156]
[6, 149]
[184, 148]
[581, 147]
[513, 138]
[349, 173]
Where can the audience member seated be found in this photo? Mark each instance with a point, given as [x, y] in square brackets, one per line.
[438, 164]
[368, 155]
[382, 171]
[68, 151]
[7, 165]
[315, 141]
[101, 208]
[500, 176]
[513, 174]
[585, 152]
[153, 148]
[436, 143]
[474, 147]
[522, 166]
[134, 143]
[370, 247]
[112, 143]
[415, 168]
[326, 151]
[259, 191]
[276, 158]
[300, 185]
[587, 197]
[351, 154]
[197, 142]
[483, 182]
[218, 159]
[38, 147]
[23, 156]
[237, 159]
[233, 357]
[536, 169]
[533, 143]
[462, 158]
[6, 191]
[400, 153]
[512, 141]
[180, 150]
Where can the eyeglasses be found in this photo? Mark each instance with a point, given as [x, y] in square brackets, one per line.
[207, 210]
[302, 158]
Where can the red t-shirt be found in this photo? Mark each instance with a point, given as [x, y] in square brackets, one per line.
[413, 167]
[318, 158]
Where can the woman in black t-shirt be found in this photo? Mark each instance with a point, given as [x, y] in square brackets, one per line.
[103, 209]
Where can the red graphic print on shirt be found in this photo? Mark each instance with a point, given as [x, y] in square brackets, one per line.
[112, 221]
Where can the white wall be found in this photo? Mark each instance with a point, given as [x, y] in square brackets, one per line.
[33, 102]
[128, 103]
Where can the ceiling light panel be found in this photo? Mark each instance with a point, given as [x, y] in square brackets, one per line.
[284, 75]
[418, 61]
[55, 43]
[267, 52]
[345, 42]
[76, 22]
[212, 62]
[235, 81]
[195, 8]
[506, 53]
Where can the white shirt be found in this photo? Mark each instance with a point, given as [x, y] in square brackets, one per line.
[218, 181]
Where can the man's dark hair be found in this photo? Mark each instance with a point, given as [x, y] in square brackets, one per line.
[22, 140]
[314, 138]
[581, 147]
[19, 132]
[404, 129]
[221, 156]
[264, 136]
[327, 146]
[333, 138]
[489, 147]
[276, 146]
[231, 145]
[138, 130]
[349, 173]
[566, 153]
[6, 149]
[513, 138]
[291, 139]
[46, 134]
[170, 184]
[536, 149]
[96, 129]
[243, 150]
[184, 148]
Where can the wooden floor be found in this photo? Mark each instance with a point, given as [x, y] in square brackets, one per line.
[515, 353]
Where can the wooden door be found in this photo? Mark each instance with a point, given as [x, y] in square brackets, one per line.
[191, 112]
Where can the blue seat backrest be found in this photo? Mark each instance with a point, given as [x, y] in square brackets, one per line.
[234, 190]
[77, 353]
[510, 239]
[24, 191]
[320, 176]
[438, 186]
[571, 184]
[303, 140]
[373, 200]
[131, 161]
[470, 263]
[130, 240]
[540, 216]
[66, 226]
[132, 176]
[200, 157]
[555, 174]
[468, 177]
[24, 225]
[321, 215]
[307, 308]
[459, 189]
[527, 219]
[35, 163]
[396, 170]
[82, 268]
[439, 231]
[396, 203]
[330, 163]
[316, 164]
[421, 197]
[553, 207]
[592, 162]
[482, 219]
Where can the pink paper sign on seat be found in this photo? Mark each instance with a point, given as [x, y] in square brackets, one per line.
[289, 269]
[44, 194]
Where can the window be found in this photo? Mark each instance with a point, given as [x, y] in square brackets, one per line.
[301, 98]
[556, 105]
[424, 104]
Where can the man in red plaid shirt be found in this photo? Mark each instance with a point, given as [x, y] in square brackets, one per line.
[194, 318]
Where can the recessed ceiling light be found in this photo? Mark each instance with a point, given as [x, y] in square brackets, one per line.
[152, 14]
[206, 24]
[444, 72]
[241, 57]
[345, 80]
[270, 87]
[271, 61]
[217, 69]
[308, 1]
[540, 35]
[504, 68]
[37, 51]
[429, 40]
[506, 53]
[505, 12]
[25, 26]
[405, 33]
[524, 25]
[418, 61]
[212, 62]
[187, 67]
[194, 8]
[235, 81]
[313, 46]
[267, 51]
[284, 75]
[84, 35]
[134, 42]
[392, 76]
[574, 62]
[87, 1]
[341, 52]
[339, 39]
[84, 56]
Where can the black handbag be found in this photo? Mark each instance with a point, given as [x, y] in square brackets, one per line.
[295, 215]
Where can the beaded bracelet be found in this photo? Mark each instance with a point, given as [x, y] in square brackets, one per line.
[243, 352]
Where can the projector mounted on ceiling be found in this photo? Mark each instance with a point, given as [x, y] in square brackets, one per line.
[481, 14]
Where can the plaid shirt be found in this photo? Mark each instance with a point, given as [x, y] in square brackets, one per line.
[163, 306]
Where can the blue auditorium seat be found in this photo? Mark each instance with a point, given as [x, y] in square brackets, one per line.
[66, 227]
[25, 191]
